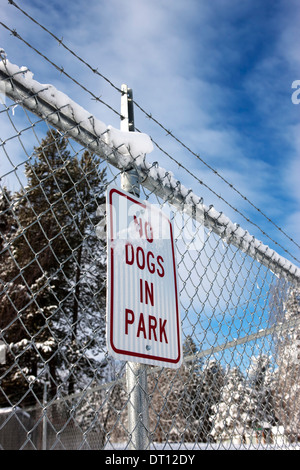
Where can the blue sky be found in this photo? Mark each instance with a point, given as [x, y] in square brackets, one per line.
[218, 74]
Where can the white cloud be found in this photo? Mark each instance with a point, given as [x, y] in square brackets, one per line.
[291, 170]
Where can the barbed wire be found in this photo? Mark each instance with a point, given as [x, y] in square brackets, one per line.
[59, 68]
[60, 41]
[62, 70]
[236, 210]
[220, 279]
[212, 217]
[214, 171]
[157, 122]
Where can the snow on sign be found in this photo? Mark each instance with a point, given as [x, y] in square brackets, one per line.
[143, 321]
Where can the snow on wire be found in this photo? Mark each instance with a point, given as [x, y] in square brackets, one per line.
[127, 150]
[225, 295]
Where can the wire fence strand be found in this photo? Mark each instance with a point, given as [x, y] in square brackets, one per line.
[239, 299]
[163, 127]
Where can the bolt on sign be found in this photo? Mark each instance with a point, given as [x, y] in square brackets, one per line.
[143, 320]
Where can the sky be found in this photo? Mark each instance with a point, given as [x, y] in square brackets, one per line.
[218, 74]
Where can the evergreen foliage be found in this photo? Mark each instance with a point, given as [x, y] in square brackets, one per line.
[52, 308]
[287, 396]
[54, 273]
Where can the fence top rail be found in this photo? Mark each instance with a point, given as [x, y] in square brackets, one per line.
[127, 150]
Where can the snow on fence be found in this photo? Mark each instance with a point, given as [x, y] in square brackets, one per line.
[239, 299]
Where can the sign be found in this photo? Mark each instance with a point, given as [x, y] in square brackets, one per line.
[143, 321]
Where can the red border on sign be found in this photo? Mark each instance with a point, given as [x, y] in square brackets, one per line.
[131, 353]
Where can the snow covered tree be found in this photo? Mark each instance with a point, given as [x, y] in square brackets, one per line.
[18, 371]
[100, 411]
[59, 266]
[232, 416]
[287, 399]
[86, 303]
[182, 399]
[7, 221]
[262, 396]
[209, 385]
[8, 226]
[172, 405]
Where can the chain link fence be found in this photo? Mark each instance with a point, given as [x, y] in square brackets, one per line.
[239, 299]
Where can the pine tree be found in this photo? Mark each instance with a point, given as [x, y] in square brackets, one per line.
[17, 372]
[232, 416]
[287, 399]
[182, 400]
[7, 222]
[261, 389]
[88, 271]
[60, 269]
[204, 390]
[172, 410]
[209, 385]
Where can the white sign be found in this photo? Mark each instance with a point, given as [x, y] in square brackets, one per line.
[143, 320]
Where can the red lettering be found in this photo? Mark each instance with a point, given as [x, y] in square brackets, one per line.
[138, 224]
[138, 255]
[151, 266]
[149, 294]
[141, 326]
[149, 233]
[152, 326]
[129, 257]
[139, 228]
[162, 331]
[141, 291]
[127, 320]
[159, 261]
[140, 259]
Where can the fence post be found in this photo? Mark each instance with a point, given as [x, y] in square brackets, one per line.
[138, 414]
[136, 373]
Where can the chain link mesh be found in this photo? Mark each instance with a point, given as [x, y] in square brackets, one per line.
[59, 388]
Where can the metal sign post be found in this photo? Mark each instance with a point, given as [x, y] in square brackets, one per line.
[136, 373]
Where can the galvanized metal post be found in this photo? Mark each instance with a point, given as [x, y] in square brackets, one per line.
[129, 178]
[136, 373]
[138, 413]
